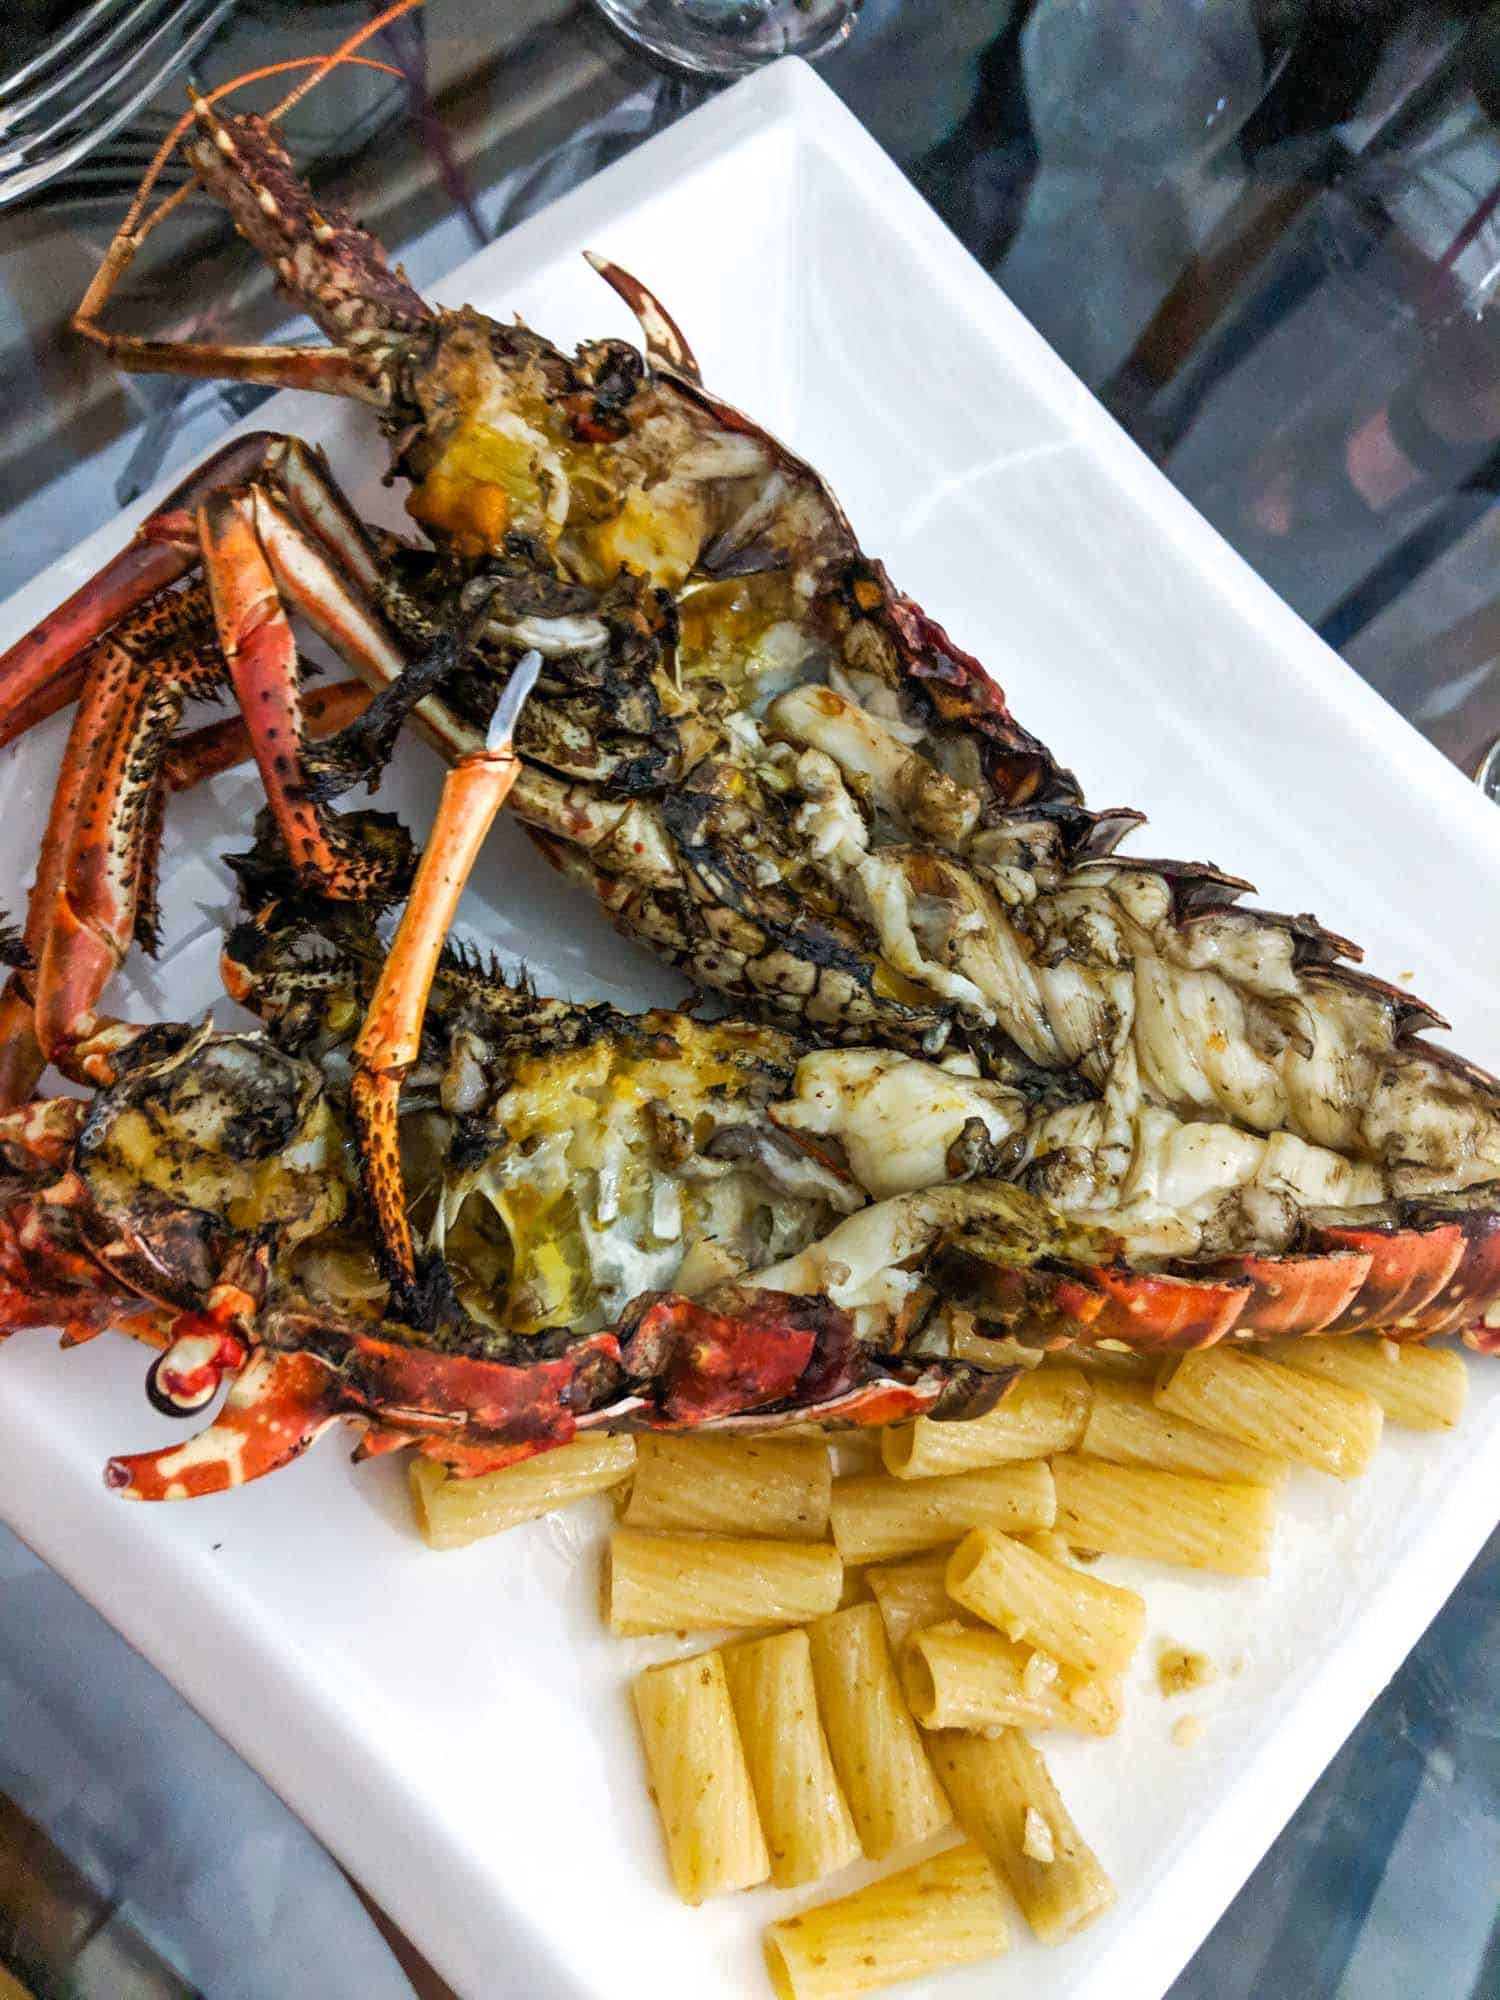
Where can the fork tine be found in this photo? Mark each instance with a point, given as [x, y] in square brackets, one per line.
[166, 28]
[56, 48]
[98, 53]
[20, 173]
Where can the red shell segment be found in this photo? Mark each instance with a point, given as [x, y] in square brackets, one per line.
[1408, 1267]
[1058, 1306]
[1474, 1283]
[1295, 1294]
[708, 1364]
[1159, 1310]
[425, 1390]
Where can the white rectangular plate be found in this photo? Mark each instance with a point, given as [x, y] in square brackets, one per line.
[456, 1727]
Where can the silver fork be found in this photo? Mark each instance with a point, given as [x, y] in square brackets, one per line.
[90, 79]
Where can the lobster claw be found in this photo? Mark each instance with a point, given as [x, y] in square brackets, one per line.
[279, 1405]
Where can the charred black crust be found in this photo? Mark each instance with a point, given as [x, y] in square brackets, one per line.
[688, 818]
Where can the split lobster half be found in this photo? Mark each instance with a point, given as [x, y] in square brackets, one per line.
[989, 1086]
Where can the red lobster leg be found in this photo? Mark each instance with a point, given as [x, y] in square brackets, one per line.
[203, 753]
[1408, 1268]
[279, 1405]
[1295, 1294]
[95, 876]
[255, 637]
[43, 671]
[21, 1058]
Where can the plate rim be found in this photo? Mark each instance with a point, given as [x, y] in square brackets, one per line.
[1241, 1823]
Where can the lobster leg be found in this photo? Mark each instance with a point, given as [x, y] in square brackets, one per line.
[94, 886]
[44, 671]
[294, 540]
[473, 793]
[255, 636]
[219, 746]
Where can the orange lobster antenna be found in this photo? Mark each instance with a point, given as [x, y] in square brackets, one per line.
[133, 232]
[343, 53]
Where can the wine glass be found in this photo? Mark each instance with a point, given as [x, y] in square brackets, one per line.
[730, 37]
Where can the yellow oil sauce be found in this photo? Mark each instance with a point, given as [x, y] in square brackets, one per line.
[888, 984]
[657, 533]
[484, 483]
[722, 624]
[550, 1280]
[577, 1165]
[293, 1189]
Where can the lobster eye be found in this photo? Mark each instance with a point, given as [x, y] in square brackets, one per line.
[169, 1392]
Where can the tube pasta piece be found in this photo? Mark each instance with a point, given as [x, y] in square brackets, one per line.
[1422, 1388]
[855, 1589]
[1050, 1606]
[875, 1518]
[451, 1512]
[1047, 1542]
[803, 1811]
[877, 1753]
[944, 1911]
[732, 1486]
[966, 1677]
[687, 1583]
[1039, 1414]
[1133, 1510]
[1319, 1423]
[994, 1784]
[699, 1778]
[911, 1595]
[1126, 1427]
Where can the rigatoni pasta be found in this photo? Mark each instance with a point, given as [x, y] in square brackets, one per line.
[1422, 1388]
[875, 1518]
[1047, 1542]
[451, 1513]
[1132, 1510]
[1004, 1799]
[1039, 1414]
[686, 1583]
[1059, 1610]
[968, 1677]
[911, 1595]
[732, 1486]
[1319, 1423]
[699, 1778]
[803, 1812]
[877, 1753]
[944, 1911]
[1126, 1427]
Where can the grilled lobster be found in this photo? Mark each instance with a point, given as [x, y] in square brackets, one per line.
[1176, 1119]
